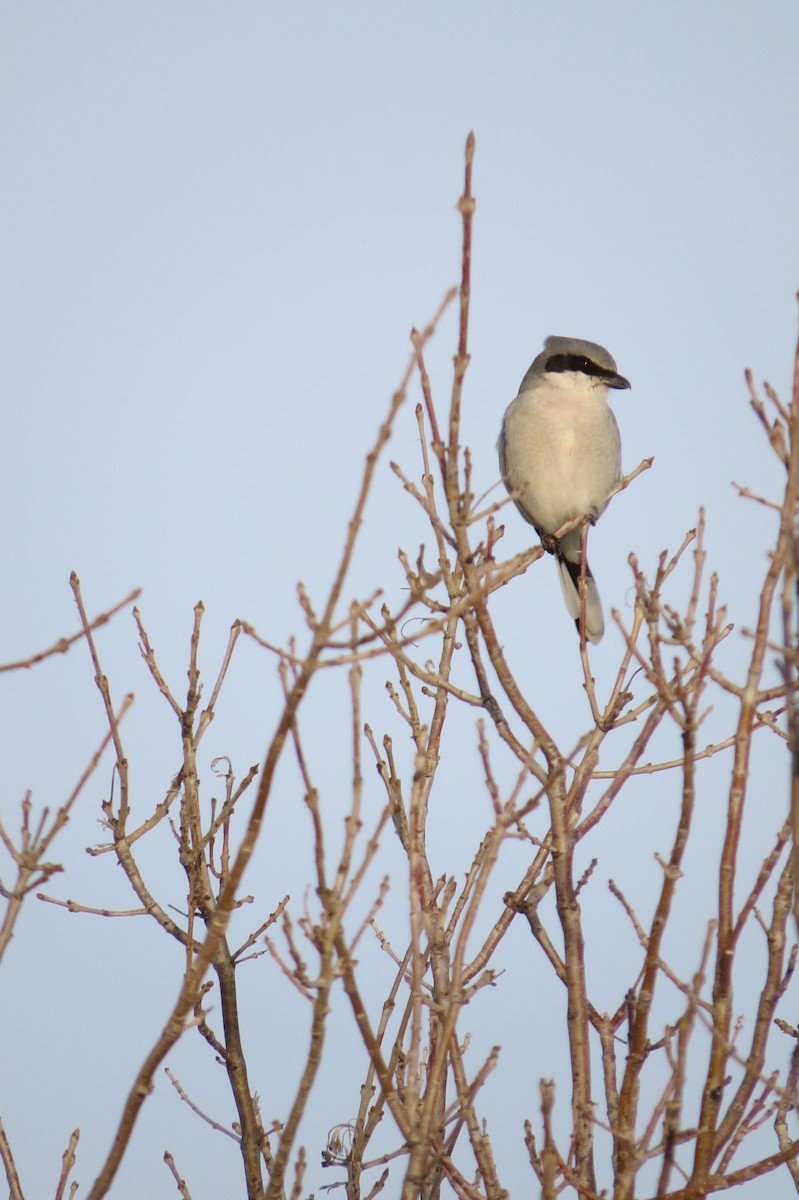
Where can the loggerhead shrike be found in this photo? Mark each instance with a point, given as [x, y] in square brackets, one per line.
[560, 452]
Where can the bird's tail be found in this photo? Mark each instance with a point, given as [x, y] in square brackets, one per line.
[570, 585]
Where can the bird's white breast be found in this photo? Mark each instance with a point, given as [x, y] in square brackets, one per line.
[561, 449]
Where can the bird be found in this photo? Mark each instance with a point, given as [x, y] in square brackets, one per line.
[560, 456]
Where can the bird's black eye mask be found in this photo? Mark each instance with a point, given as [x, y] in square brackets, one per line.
[579, 362]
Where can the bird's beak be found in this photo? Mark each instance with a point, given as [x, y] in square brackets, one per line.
[617, 381]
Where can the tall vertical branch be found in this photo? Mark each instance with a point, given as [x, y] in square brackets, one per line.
[568, 909]
[790, 611]
[749, 698]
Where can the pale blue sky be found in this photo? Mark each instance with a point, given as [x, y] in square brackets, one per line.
[219, 224]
